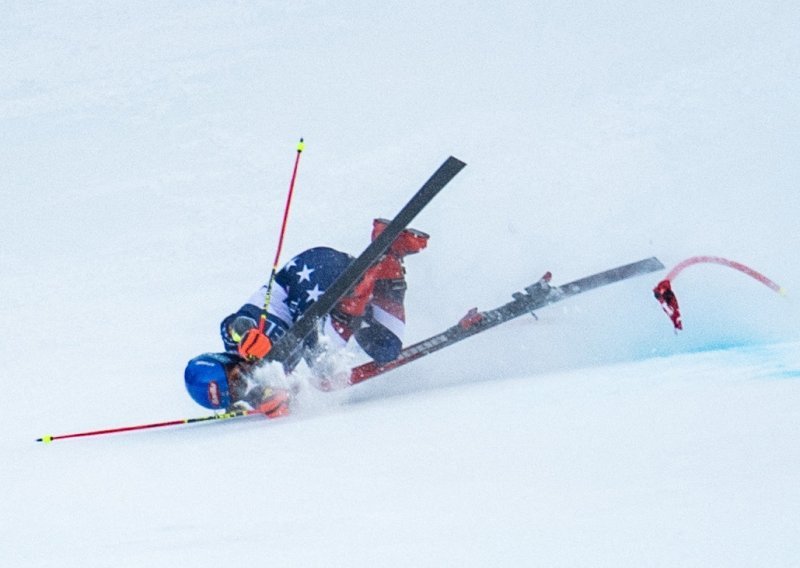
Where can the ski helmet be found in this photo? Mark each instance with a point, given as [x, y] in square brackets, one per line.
[206, 379]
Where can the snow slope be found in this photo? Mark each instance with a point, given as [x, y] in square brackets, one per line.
[147, 150]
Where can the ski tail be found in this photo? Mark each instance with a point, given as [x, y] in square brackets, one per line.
[612, 275]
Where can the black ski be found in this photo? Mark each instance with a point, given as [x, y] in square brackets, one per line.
[292, 341]
[537, 295]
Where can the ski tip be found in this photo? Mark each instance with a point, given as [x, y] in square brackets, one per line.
[456, 162]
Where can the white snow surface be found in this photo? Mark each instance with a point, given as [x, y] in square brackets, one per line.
[146, 155]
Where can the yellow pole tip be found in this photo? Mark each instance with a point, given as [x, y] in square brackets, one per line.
[782, 291]
[46, 439]
[301, 145]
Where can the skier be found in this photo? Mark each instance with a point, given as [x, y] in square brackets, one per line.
[372, 314]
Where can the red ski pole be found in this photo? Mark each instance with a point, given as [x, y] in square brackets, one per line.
[223, 416]
[669, 302]
[268, 295]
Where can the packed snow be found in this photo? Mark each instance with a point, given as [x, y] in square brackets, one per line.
[147, 151]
